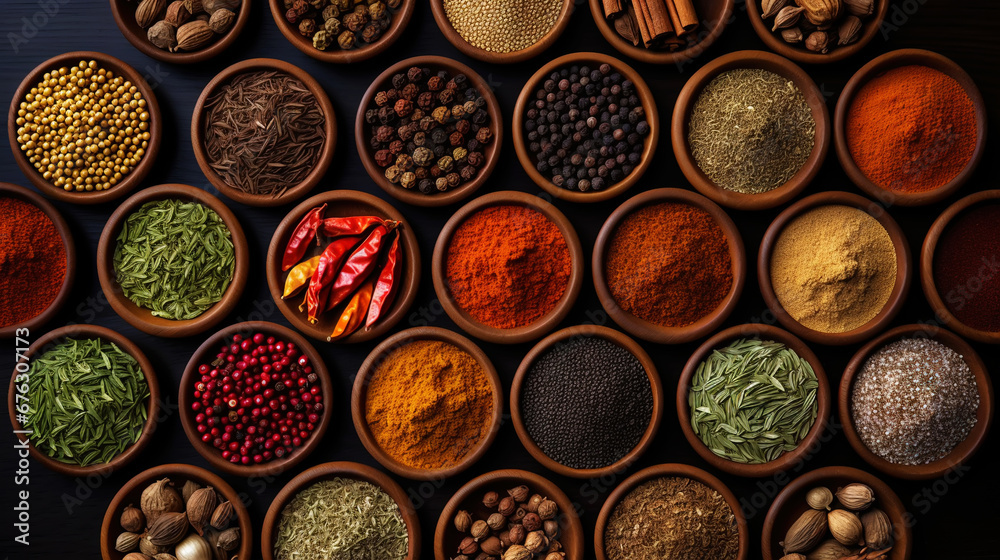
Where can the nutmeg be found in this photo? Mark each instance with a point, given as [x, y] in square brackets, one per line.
[551, 528]
[535, 500]
[555, 556]
[793, 556]
[151, 549]
[229, 539]
[137, 556]
[878, 529]
[479, 530]
[531, 522]
[819, 41]
[159, 498]
[463, 521]
[507, 507]
[519, 493]
[491, 546]
[212, 6]
[149, 12]
[496, 521]
[517, 534]
[168, 529]
[164, 556]
[845, 527]
[222, 20]
[807, 530]
[505, 539]
[222, 514]
[856, 496]
[829, 550]
[468, 546]
[819, 498]
[200, 508]
[177, 13]
[491, 499]
[162, 35]
[547, 509]
[193, 35]
[133, 520]
[127, 542]
[792, 35]
[189, 488]
[536, 542]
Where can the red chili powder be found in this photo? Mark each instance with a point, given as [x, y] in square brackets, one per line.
[967, 267]
[507, 266]
[32, 261]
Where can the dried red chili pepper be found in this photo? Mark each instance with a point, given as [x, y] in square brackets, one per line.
[387, 284]
[354, 312]
[330, 261]
[358, 266]
[351, 225]
[302, 235]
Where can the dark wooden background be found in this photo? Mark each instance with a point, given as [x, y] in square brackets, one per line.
[954, 518]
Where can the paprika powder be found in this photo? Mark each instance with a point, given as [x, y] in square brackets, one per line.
[967, 267]
[32, 261]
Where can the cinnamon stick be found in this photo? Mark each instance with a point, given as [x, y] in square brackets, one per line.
[660, 26]
[642, 19]
[683, 17]
[612, 8]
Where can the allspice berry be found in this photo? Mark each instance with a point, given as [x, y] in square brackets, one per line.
[533, 502]
[491, 499]
[517, 534]
[463, 521]
[519, 493]
[496, 521]
[547, 509]
[507, 507]
[468, 546]
[532, 522]
[479, 530]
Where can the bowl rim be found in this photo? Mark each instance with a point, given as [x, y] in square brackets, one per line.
[325, 156]
[642, 54]
[690, 94]
[400, 21]
[401, 302]
[927, 253]
[492, 151]
[153, 418]
[873, 26]
[964, 450]
[466, 48]
[646, 98]
[341, 469]
[646, 330]
[902, 546]
[897, 298]
[135, 176]
[527, 332]
[186, 472]
[207, 348]
[572, 528]
[142, 319]
[59, 222]
[590, 331]
[142, 44]
[368, 369]
[788, 459]
[671, 470]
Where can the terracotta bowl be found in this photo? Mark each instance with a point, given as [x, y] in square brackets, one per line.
[206, 353]
[791, 503]
[662, 471]
[963, 451]
[360, 394]
[198, 123]
[343, 203]
[363, 134]
[449, 32]
[143, 319]
[336, 55]
[567, 335]
[927, 266]
[341, 469]
[646, 330]
[34, 323]
[896, 299]
[788, 459]
[152, 409]
[120, 69]
[869, 29]
[715, 15]
[685, 105]
[470, 498]
[527, 97]
[874, 69]
[486, 332]
[177, 473]
[124, 13]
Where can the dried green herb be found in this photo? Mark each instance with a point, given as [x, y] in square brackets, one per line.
[175, 258]
[341, 519]
[87, 401]
[753, 400]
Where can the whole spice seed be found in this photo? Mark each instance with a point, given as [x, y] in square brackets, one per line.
[264, 132]
[913, 401]
[966, 267]
[87, 401]
[348, 24]
[32, 256]
[175, 258]
[751, 130]
[502, 26]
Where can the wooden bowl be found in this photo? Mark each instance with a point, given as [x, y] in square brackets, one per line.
[567, 335]
[206, 353]
[449, 32]
[124, 13]
[360, 394]
[470, 498]
[869, 29]
[36, 322]
[896, 299]
[137, 174]
[340, 469]
[640, 327]
[788, 459]
[519, 334]
[363, 134]
[715, 15]
[343, 203]
[198, 132]
[963, 451]
[927, 266]
[143, 319]
[130, 493]
[685, 105]
[527, 97]
[791, 503]
[878, 67]
[152, 409]
[664, 471]
[336, 55]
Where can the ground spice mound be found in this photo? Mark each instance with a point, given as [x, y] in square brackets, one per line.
[967, 267]
[508, 266]
[32, 261]
[669, 264]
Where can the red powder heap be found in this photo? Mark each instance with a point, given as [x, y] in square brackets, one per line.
[32, 261]
[967, 268]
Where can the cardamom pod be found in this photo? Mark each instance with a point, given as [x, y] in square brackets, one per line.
[792, 35]
[133, 520]
[200, 508]
[787, 17]
[150, 549]
[819, 498]
[229, 539]
[793, 556]
[846, 527]
[127, 542]
[819, 41]
[221, 20]
[164, 556]
[770, 8]
[137, 556]
[168, 529]
[807, 530]
[878, 529]
[829, 550]
[177, 13]
[222, 514]
[212, 6]
[149, 11]
[195, 7]
[193, 35]
[162, 35]
[189, 486]
[860, 8]
[856, 496]
[849, 30]
[821, 12]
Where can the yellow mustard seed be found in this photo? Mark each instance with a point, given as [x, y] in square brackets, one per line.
[503, 26]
